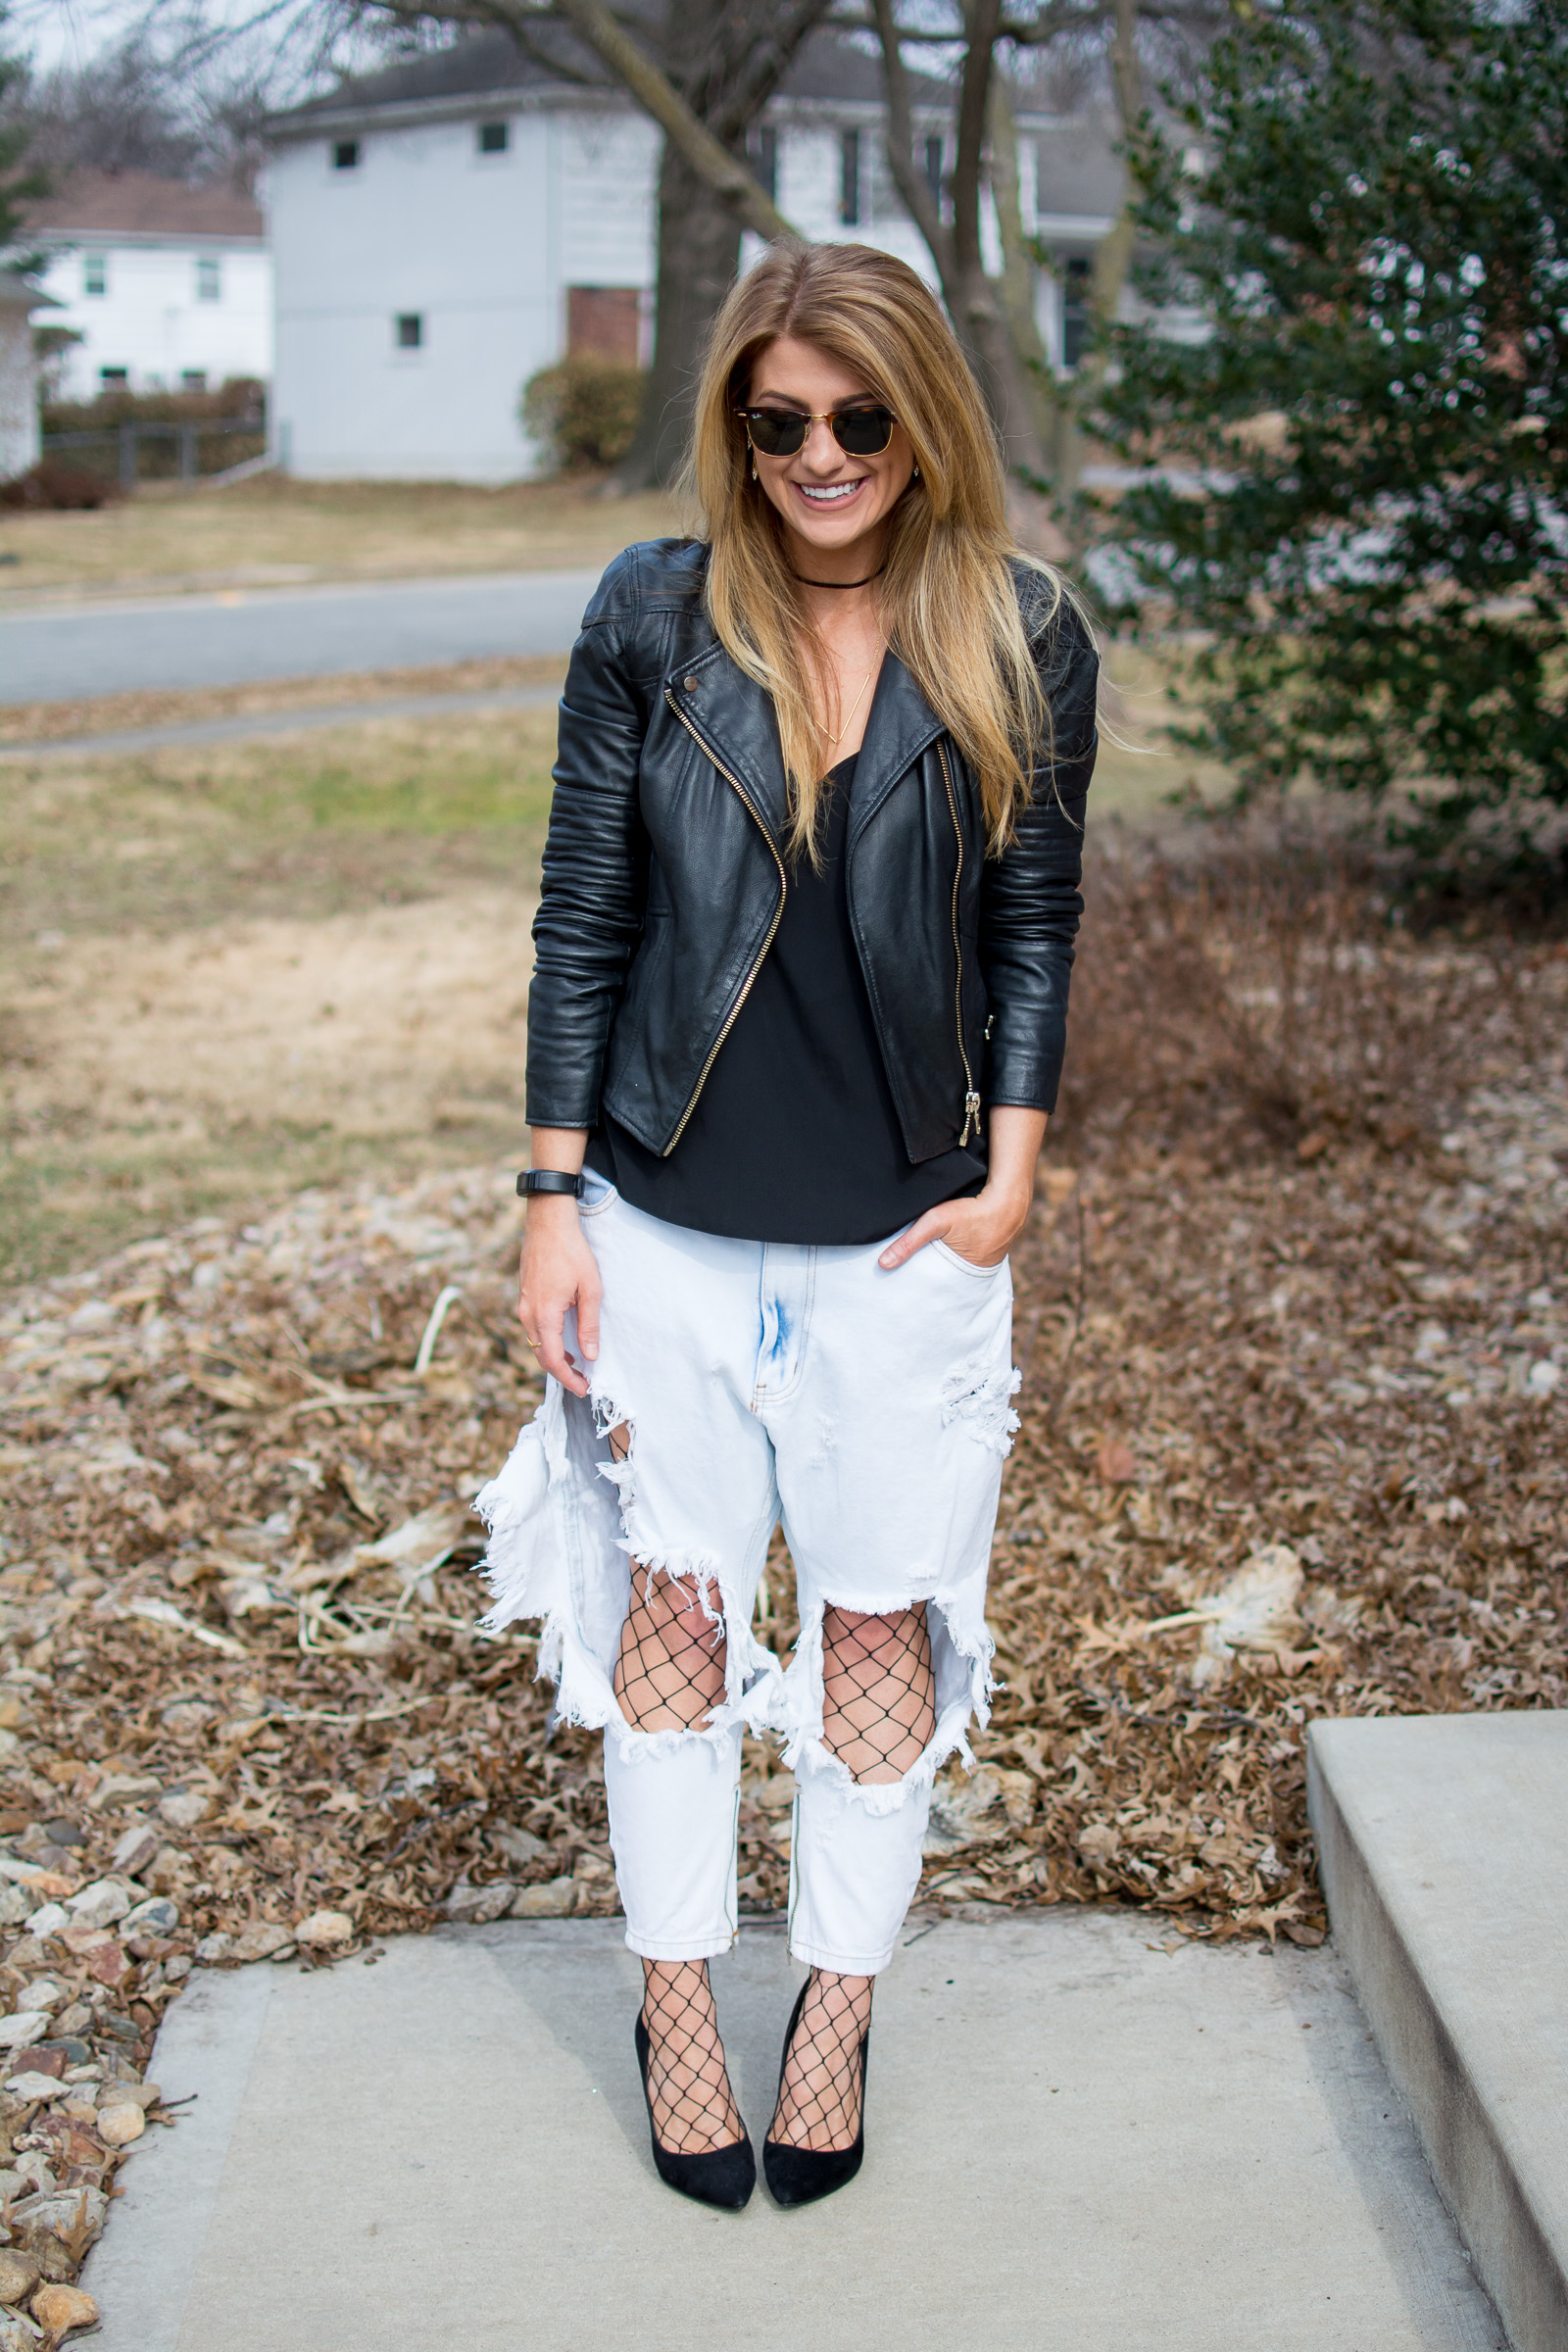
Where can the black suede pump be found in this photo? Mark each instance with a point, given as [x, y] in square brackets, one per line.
[724, 2176]
[800, 2175]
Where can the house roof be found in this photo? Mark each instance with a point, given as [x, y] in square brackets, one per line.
[140, 204]
[489, 66]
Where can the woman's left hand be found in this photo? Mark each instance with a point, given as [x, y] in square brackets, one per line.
[984, 1229]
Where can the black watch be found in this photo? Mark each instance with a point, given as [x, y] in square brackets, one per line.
[548, 1180]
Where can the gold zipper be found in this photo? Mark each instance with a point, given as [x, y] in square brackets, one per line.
[778, 916]
[971, 1101]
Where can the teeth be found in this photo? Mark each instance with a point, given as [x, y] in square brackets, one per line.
[839, 490]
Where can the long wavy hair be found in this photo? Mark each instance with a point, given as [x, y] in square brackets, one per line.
[949, 598]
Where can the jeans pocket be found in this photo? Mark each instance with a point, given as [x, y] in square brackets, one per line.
[598, 1194]
[966, 1265]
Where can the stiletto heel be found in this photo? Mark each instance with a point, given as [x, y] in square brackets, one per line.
[724, 2176]
[800, 2175]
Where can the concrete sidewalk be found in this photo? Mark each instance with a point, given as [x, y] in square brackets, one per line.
[1079, 2142]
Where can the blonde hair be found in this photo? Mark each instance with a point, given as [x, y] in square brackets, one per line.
[950, 599]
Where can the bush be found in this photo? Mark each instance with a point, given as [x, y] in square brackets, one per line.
[242, 399]
[1376, 586]
[584, 411]
[54, 483]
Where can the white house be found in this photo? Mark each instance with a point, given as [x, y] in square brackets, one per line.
[446, 227]
[20, 302]
[169, 287]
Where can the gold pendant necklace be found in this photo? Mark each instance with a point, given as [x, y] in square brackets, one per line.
[833, 741]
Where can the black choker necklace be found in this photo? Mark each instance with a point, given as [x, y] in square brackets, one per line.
[865, 583]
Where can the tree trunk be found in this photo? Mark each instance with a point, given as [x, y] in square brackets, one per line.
[699, 254]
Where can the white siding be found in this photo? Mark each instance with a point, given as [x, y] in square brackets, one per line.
[148, 319]
[609, 168]
[425, 226]
[18, 391]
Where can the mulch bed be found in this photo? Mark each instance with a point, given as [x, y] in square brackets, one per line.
[1293, 1320]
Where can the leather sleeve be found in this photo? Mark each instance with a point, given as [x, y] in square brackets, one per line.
[595, 884]
[1030, 901]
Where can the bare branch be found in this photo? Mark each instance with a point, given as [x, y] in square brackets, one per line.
[910, 181]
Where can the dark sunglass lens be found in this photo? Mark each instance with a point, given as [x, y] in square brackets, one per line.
[863, 432]
[776, 432]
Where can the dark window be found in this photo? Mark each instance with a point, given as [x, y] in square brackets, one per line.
[764, 161]
[208, 277]
[493, 137]
[933, 168]
[193, 380]
[95, 272]
[1074, 310]
[410, 331]
[850, 179]
[114, 375]
[345, 154]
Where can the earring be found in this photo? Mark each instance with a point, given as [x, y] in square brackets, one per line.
[915, 475]
[753, 469]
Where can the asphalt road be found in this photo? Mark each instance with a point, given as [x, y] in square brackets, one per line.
[60, 652]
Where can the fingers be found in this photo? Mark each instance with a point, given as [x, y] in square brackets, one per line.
[924, 1229]
[589, 1293]
[551, 1351]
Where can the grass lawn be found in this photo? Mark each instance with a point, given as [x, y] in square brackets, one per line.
[234, 969]
[276, 530]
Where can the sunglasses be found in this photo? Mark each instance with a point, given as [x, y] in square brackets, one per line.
[861, 433]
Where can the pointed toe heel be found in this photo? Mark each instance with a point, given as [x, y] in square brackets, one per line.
[801, 2176]
[721, 2177]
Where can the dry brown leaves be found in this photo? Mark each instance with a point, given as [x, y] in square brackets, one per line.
[1292, 1317]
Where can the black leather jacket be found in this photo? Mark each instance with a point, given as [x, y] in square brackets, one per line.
[665, 869]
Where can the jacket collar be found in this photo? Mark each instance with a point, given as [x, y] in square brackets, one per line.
[733, 718]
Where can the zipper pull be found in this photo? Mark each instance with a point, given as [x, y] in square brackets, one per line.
[971, 1112]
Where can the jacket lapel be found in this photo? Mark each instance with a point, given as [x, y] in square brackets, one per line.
[732, 716]
[899, 726]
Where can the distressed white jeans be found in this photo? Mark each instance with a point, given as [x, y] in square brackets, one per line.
[869, 1410]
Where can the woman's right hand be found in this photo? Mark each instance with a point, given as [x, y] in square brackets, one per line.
[558, 1273]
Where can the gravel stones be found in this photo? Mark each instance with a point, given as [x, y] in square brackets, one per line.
[136, 1848]
[22, 2026]
[19, 2275]
[182, 1808]
[555, 1898]
[157, 1916]
[326, 1931]
[60, 2309]
[476, 1906]
[119, 2122]
[99, 1905]
[263, 1940]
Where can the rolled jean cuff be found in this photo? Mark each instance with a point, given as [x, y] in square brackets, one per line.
[854, 1873]
[672, 1818]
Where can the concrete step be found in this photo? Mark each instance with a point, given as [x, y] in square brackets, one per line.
[1083, 2136]
[1443, 1843]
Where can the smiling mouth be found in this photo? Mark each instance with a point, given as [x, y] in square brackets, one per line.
[831, 493]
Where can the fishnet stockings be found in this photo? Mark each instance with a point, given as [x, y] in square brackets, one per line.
[670, 1669]
[820, 2093]
[688, 2083]
[878, 1702]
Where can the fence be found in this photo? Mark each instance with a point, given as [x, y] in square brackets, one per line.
[143, 452]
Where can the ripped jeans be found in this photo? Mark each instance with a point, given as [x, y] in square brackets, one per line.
[746, 1382]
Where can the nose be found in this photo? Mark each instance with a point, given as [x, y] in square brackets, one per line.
[820, 451]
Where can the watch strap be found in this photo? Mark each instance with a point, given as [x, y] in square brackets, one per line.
[548, 1180]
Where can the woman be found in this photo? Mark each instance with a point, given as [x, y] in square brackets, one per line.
[809, 897]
